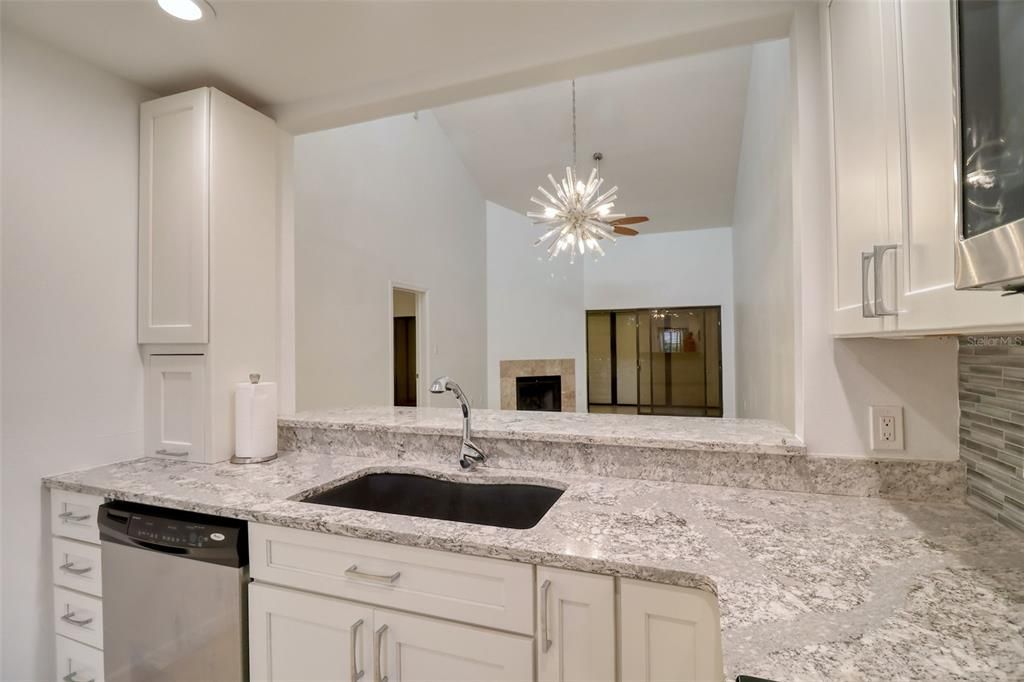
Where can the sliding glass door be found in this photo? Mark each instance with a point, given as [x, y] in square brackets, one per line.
[655, 361]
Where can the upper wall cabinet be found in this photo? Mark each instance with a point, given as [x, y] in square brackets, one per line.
[894, 155]
[174, 219]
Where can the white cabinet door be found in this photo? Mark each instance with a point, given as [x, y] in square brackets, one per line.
[669, 634]
[174, 218]
[298, 636]
[420, 649]
[929, 301]
[860, 186]
[175, 406]
[575, 626]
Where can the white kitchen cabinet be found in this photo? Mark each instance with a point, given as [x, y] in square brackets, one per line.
[175, 406]
[299, 636]
[78, 586]
[892, 101]
[421, 649]
[208, 229]
[928, 299]
[859, 109]
[478, 590]
[668, 634]
[174, 163]
[320, 601]
[77, 662]
[575, 626]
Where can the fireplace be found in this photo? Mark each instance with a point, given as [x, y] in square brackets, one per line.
[539, 394]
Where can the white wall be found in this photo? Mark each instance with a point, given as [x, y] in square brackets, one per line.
[72, 390]
[534, 306]
[379, 203]
[837, 380]
[764, 258]
[662, 270]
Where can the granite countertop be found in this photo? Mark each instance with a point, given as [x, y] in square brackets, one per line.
[752, 436]
[810, 586]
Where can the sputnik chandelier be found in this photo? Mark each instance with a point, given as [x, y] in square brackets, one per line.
[578, 216]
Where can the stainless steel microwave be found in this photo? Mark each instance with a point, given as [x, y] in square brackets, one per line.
[988, 45]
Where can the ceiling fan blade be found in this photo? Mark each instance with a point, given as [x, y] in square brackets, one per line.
[625, 231]
[631, 220]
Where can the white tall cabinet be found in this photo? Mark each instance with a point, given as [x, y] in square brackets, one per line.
[891, 68]
[207, 266]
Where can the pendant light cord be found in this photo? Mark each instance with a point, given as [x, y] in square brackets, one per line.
[574, 124]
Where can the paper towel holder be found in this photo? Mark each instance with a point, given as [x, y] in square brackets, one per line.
[254, 378]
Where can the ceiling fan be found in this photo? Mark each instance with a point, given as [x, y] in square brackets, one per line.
[619, 224]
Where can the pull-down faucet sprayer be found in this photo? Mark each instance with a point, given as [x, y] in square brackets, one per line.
[469, 455]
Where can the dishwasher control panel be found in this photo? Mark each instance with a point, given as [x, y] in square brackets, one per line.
[176, 532]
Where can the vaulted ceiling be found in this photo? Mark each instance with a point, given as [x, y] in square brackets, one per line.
[670, 133]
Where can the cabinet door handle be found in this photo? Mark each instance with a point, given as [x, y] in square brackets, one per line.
[71, 677]
[69, 567]
[72, 516]
[378, 640]
[354, 671]
[69, 617]
[881, 310]
[172, 453]
[354, 572]
[866, 260]
[545, 638]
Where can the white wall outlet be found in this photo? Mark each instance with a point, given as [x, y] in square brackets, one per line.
[886, 427]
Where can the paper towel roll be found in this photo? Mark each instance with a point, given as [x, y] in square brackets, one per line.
[255, 420]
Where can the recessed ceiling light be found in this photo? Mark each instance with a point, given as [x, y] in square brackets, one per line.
[186, 10]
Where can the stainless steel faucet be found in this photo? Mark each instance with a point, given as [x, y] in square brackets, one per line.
[469, 455]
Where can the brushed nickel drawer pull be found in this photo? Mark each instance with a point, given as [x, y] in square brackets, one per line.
[69, 567]
[69, 617]
[354, 672]
[354, 572]
[71, 516]
[172, 453]
[545, 588]
[378, 639]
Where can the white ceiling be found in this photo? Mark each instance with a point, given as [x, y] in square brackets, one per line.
[670, 134]
[317, 65]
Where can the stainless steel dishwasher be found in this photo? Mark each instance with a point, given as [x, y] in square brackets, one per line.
[174, 595]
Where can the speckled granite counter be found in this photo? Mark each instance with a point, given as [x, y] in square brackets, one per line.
[750, 436]
[746, 453]
[811, 587]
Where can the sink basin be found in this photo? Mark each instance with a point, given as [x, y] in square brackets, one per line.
[505, 505]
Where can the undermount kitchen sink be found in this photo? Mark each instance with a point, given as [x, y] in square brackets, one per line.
[506, 505]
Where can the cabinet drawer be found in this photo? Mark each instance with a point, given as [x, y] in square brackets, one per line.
[78, 616]
[73, 515]
[77, 662]
[489, 592]
[175, 407]
[77, 565]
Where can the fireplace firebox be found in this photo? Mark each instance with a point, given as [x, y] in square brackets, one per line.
[539, 394]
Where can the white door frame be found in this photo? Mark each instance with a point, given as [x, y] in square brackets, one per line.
[422, 339]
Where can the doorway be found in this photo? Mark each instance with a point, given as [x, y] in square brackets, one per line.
[665, 361]
[405, 347]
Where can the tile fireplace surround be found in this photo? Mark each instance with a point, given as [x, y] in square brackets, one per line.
[565, 368]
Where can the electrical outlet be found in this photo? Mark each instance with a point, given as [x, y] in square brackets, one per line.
[886, 427]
